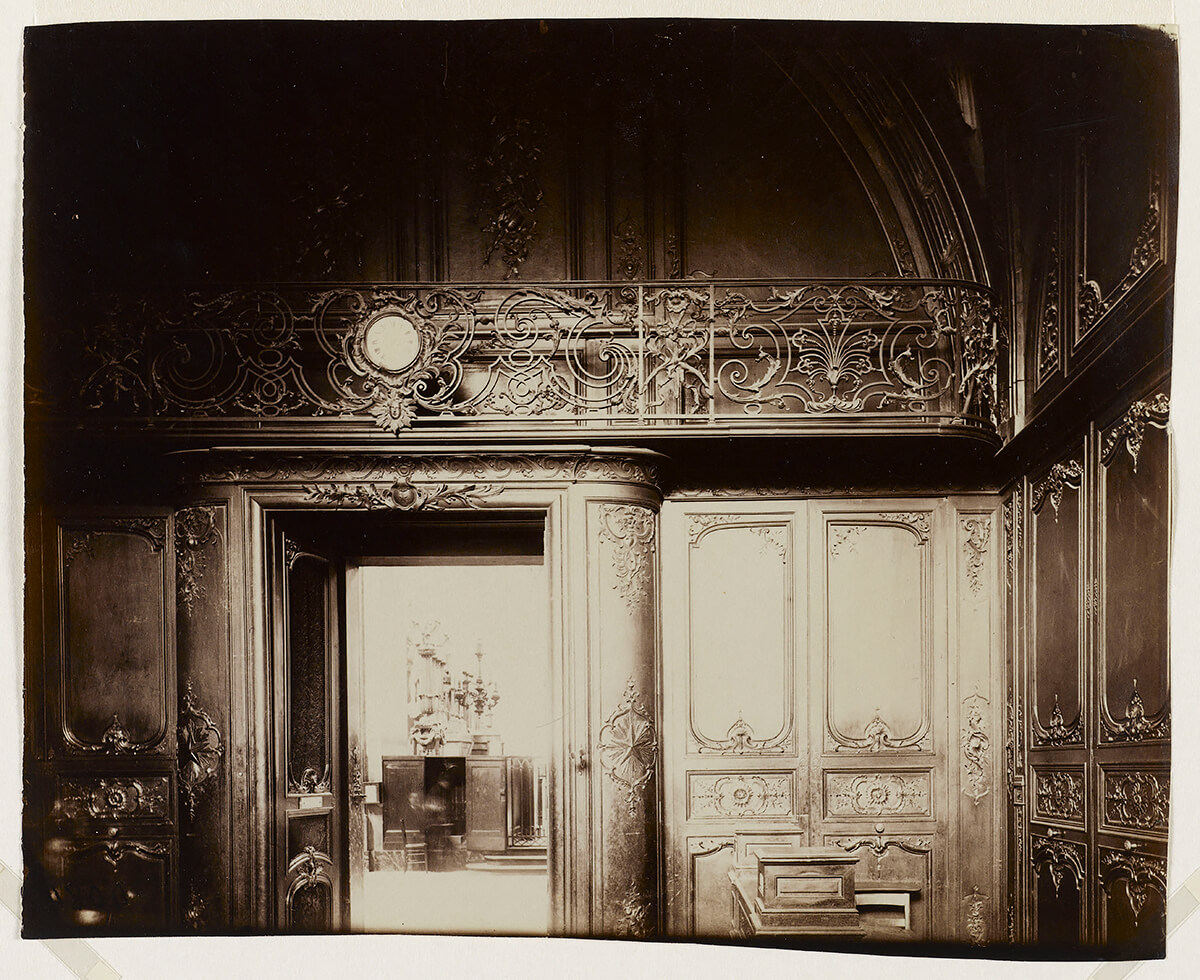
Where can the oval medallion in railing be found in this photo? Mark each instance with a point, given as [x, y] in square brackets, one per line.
[876, 355]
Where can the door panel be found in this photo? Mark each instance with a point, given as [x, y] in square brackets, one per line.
[310, 828]
[486, 806]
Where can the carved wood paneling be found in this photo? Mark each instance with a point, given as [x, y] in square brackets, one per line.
[740, 794]
[1135, 799]
[115, 667]
[113, 798]
[740, 640]
[121, 885]
[893, 793]
[1059, 794]
[709, 860]
[309, 746]
[876, 703]
[1131, 613]
[1133, 900]
[1056, 556]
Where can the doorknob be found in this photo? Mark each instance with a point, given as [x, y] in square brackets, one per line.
[580, 760]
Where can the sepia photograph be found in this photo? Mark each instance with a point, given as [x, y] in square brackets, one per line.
[668, 480]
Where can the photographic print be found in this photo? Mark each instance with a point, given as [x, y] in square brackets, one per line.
[631, 479]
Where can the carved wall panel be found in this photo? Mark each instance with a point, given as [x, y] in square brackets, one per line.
[864, 794]
[740, 636]
[740, 794]
[1133, 916]
[878, 666]
[115, 669]
[1059, 794]
[113, 799]
[1056, 555]
[115, 886]
[1059, 877]
[1135, 799]
[1135, 528]
[888, 859]
[308, 736]
[709, 860]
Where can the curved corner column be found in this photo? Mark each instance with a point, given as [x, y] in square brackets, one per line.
[612, 604]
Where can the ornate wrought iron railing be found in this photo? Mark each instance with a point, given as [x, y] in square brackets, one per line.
[668, 355]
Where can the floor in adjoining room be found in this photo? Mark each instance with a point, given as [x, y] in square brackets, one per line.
[457, 902]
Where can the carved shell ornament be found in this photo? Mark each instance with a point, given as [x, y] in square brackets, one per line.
[628, 747]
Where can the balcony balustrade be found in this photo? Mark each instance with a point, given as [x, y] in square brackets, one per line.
[677, 357]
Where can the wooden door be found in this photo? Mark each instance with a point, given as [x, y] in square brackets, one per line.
[486, 805]
[310, 813]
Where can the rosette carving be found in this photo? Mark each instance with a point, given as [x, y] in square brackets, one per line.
[627, 747]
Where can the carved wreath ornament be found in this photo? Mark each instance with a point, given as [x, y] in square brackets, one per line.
[627, 746]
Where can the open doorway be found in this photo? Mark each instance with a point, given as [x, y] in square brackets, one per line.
[452, 657]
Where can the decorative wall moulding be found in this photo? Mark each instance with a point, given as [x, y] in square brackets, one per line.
[975, 916]
[508, 190]
[740, 794]
[855, 793]
[1136, 799]
[195, 532]
[1049, 343]
[774, 537]
[1147, 251]
[1058, 732]
[906, 355]
[628, 748]
[77, 542]
[630, 529]
[401, 495]
[1140, 874]
[633, 914]
[740, 740]
[383, 471]
[1135, 726]
[1058, 794]
[879, 844]
[1130, 431]
[1059, 857]
[1062, 476]
[200, 751]
[976, 744]
[977, 531]
[878, 737]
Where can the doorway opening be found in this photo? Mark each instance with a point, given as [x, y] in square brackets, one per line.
[436, 636]
[455, 716]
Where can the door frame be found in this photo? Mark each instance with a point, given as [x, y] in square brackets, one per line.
[261, 506]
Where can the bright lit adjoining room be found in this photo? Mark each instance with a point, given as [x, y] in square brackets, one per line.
[455, 705]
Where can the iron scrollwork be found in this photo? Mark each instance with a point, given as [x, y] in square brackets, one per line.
[916, 352]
